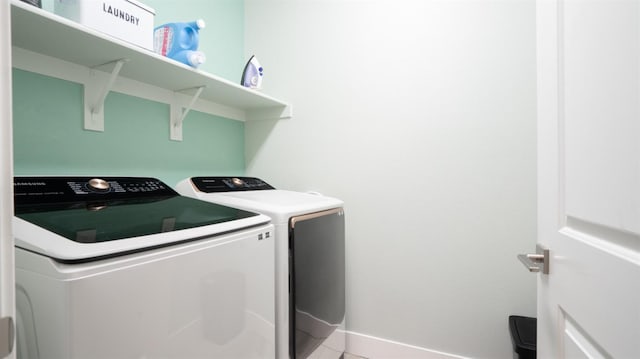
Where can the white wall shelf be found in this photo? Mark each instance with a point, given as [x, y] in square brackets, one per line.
[54, 46]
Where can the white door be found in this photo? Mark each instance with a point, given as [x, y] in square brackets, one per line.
[7, 296]
[589, 178]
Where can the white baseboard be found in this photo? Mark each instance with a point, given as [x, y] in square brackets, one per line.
[371, 347]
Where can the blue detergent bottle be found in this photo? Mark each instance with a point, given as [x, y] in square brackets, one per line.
[179, 41]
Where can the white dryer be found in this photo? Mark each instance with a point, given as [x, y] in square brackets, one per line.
[125, 267]
[310, 260]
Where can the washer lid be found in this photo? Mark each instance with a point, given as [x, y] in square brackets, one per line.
[122, 208]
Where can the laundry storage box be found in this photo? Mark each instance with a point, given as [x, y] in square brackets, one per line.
[128, 20]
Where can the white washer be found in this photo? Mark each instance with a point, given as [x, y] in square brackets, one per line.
[127, 268]
[310, 262]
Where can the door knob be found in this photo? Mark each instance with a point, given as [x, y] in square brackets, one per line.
[538, 262]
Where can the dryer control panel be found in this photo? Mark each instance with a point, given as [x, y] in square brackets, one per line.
[229, 184]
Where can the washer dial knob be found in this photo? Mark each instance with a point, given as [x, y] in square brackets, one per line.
[99, 185]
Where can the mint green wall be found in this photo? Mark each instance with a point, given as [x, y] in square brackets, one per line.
[48, 115]
[49, 139]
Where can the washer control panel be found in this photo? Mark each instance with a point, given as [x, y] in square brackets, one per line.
[29, 190]
[229, 184]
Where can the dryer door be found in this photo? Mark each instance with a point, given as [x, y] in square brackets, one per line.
[317, 295]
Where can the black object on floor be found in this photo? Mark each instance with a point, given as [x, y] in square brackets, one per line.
[523, 336]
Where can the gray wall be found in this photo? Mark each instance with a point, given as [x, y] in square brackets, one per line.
[420, 115]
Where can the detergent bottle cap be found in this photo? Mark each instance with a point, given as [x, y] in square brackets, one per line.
[196, 58]
[200, 24]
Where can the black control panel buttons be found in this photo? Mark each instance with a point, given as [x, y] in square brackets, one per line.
[229, 184]
[29, 190]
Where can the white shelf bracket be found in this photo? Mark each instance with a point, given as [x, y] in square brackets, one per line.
[94, 111]
[178, 113]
